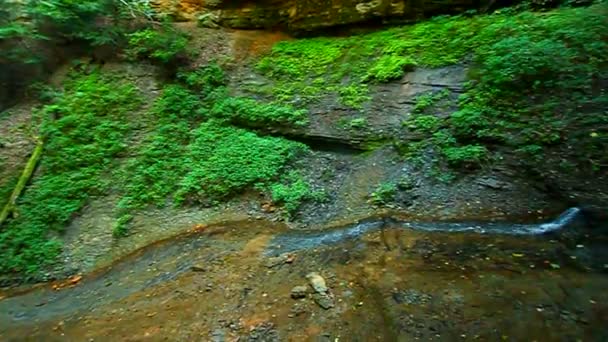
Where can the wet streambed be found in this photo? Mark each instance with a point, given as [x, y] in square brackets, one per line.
[414, 280]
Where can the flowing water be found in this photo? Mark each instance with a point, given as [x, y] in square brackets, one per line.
[390, 279]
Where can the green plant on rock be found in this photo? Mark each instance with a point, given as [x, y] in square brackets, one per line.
[466, 155]
[384, 194]
[121, 225]
[358, 123]
[389, 67]
[165, 45]
[248, 112]
[428, 100]
[424, 123]
[292, 191]
[354, 95]
[225, 160]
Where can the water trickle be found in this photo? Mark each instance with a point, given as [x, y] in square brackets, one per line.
[294, 241]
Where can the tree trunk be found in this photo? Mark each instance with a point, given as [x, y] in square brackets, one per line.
[27, 173]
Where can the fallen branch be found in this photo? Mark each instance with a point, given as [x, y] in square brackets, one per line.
[10, 206]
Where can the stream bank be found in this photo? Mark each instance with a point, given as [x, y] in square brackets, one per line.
[389, 281]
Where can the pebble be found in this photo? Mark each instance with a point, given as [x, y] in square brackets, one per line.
[317, 282]
[299, 292]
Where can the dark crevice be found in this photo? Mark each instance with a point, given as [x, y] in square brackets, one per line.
[325, 143]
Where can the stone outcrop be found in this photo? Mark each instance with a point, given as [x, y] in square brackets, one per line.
[305, 15]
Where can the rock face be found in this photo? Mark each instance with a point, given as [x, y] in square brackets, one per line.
[305, 15]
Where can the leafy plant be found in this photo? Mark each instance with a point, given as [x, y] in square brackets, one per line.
[424, 123]
[292, 191]
[384, 194]
[354, 95]
[165, 45]
[358, 123]
[466, 155]
[389, 67]
[225, 160]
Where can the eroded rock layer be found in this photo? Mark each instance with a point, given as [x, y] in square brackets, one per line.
[302, 15]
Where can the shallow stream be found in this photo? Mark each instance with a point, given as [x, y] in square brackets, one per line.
[413, 279]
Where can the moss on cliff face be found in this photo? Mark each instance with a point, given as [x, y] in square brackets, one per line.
[535, 79]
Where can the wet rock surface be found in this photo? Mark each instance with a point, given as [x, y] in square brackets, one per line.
[392, 284]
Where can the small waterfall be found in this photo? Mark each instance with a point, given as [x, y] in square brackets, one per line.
[565, 219]
[293, 241]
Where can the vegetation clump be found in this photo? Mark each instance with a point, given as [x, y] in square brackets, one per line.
[534, 78]
[384, 194]
[85, 131]
[165, 45]
[292, 191]
[200, 151]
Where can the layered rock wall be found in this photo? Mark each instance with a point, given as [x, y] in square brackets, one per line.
[303, 15]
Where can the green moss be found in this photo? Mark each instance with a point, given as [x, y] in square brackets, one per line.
[531, 74]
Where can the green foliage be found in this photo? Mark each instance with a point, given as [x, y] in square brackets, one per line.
[293, 191]
[206, 80]
[13, 32]
[354, 95]
[302, 58]
[535, 84]
[85, 131]
[225, 160]
[389, 67]
[532, 73]
[319, 66]
[7, 189]
[121, 225]
[195, 155]
[78, 20]
[424, 123]
[165, 45]
[384, 194]
[152, 176]
[425, 101]
[465, 155]
[251, 113]
[358, 123]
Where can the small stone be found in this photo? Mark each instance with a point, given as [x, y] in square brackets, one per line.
[298, 308]
[299, 292]
[198, 268]
[324, 300]
[280, 260]
[317, 282]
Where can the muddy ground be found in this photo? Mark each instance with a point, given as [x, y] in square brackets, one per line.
[221, 284]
